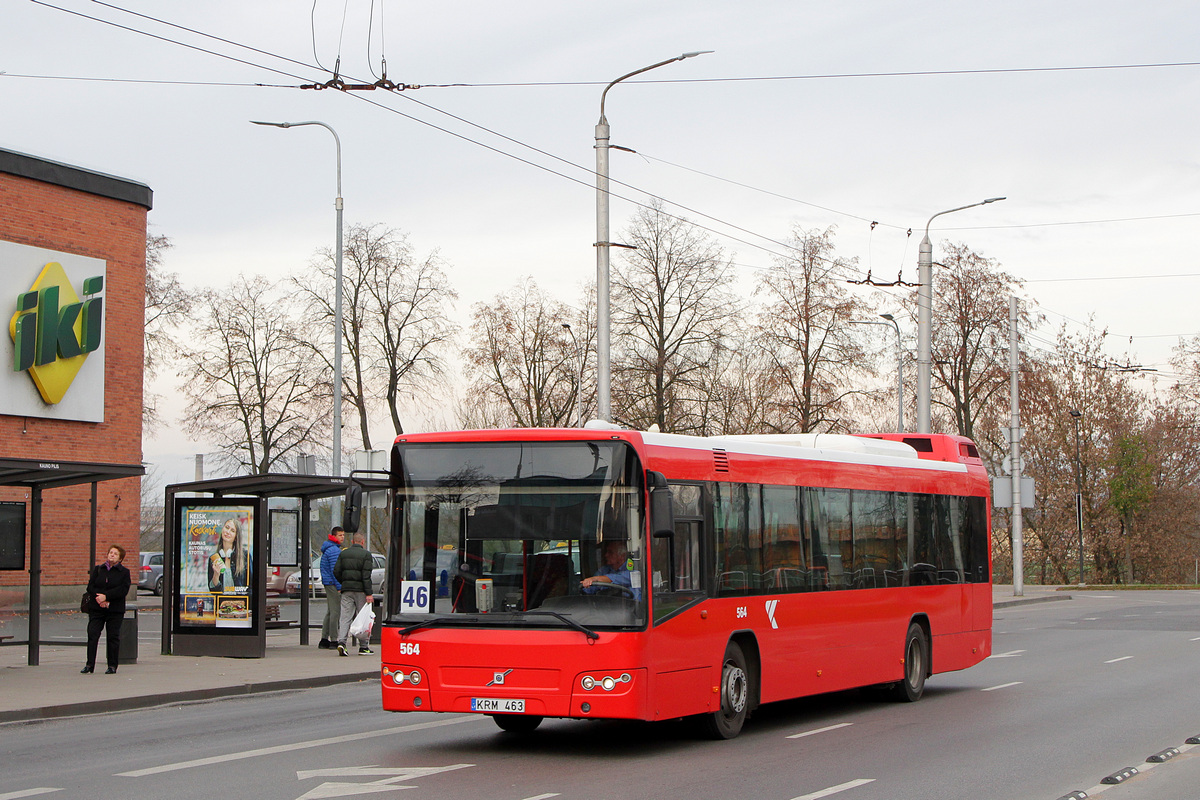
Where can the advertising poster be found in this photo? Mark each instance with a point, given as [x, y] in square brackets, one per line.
[216, 554]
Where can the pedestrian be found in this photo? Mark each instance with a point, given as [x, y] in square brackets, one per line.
[330, 551]
[353, 572]
[108, 585]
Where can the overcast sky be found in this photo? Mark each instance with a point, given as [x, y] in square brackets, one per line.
[813, 114]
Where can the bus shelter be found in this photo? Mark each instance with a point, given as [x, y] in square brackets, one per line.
[215, 558]
[37, 476]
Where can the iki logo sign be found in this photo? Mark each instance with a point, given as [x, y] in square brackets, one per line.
[53, 330]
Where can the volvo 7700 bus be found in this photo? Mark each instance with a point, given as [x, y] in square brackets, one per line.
[604, 573]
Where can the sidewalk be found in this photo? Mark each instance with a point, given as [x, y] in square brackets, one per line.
[56, 689]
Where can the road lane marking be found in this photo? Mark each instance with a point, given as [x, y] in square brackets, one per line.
[374, 770]
[390, 784]
[543, 796]
[1115, 660]
[841, 787]
[820, 730]
[28, 793]
[287, 748]
[1009, 654]
[1001, 686]
[1197, 639]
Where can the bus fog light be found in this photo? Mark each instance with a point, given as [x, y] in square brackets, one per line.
[608, 683]
[414, 677]
[588, 683]
[625, 677]
[398, 678]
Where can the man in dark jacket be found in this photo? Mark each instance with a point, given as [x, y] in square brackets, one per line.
[353, 571]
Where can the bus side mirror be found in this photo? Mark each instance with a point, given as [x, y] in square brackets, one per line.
[662, 514]
[353, 510]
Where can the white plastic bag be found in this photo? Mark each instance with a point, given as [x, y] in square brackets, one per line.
[360, 628]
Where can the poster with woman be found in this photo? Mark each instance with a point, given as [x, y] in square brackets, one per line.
[216, 558]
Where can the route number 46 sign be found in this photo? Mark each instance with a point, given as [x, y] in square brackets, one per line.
[415, 597]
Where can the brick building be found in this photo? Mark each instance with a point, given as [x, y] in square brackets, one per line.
[70, 391]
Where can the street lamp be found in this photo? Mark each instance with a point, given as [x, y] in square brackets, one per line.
[899, 366]
[603, 246]
[337, 296]
[1075, 416]
[579, 377]
[925, 317]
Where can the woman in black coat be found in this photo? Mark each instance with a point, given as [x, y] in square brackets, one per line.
[108, 586]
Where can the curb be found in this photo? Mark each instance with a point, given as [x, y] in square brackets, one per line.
[1020, 601]
[148, 701]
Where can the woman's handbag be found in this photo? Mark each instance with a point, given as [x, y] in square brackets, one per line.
[86, 603]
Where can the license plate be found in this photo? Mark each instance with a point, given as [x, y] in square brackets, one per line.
[494, 705]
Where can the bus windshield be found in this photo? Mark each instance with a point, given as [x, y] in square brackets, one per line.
[530, 534]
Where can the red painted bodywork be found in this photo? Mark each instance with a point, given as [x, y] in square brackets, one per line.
[824, 642]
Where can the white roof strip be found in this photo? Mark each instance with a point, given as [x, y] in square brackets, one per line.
[837, 448]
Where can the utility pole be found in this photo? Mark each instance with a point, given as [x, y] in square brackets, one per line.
[1014, 365]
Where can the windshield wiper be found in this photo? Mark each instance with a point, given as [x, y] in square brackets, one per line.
[429, 623]
[588, 632]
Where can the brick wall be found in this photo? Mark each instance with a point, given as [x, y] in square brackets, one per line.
[69, 220]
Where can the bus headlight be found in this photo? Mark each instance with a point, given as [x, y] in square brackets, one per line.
[607, 683]
[399, 677]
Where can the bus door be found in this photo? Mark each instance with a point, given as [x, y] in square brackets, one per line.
[678, 574]
[683, 672]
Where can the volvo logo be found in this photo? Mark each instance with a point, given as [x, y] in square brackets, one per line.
[498, 678]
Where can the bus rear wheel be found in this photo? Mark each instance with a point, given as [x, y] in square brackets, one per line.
[916, 666]
[517, 723]
[726, 723]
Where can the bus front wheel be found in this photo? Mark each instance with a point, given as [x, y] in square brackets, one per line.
[916, 666]
[726, 723]
[517, 723]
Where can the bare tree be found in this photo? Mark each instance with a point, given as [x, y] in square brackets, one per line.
[395, 318]
[671, 302]
[167, 305]
[524, 364]
[969, 343]
[805, 329]
[256, 390]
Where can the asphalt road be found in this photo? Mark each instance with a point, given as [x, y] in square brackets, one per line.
[1075, 691]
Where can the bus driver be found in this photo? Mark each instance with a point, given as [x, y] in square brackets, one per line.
[614, 570]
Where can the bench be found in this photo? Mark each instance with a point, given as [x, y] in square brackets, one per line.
[273, 620]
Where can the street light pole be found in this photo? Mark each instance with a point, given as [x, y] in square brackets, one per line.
[603, 247]
[899, 366]
[337, 296]
[899, 374]
[578, 377]
[1075, 416]
[925, 317]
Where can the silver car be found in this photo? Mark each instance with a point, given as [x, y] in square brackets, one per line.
[150, 576]
[292, 586]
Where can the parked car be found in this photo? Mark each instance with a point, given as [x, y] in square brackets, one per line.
[292, 584]
[150, 576]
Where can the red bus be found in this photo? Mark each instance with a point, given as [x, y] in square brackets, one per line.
[614, 574]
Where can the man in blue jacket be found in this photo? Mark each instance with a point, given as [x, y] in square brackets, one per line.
[330, 551]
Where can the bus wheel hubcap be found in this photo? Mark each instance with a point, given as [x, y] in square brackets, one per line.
[735, 689]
